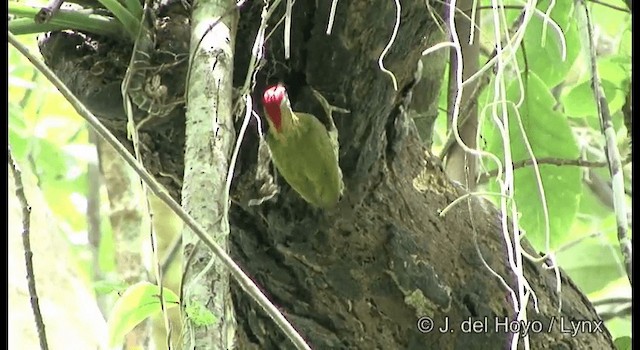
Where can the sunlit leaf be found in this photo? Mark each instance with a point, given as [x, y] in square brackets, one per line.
[106, 250]
[544, 55]
[623, 343]
[609, 20]
[136, 304]
[604, 261]
[18, 133]
[103, 287]
[549, 134]
[199, 315]
[580, 101]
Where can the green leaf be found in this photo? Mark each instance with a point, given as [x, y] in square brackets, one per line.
[608, 20]
[18, 134]
[544, 57]
[549, 135]
[103, 287]
[200, 315]
[623, 343]
[107, 248]
[51, 162]
[21, 74]
[620, 325]
[136, 304]
[615, 69]
[579, 101]
[618, 288]
[61, 174]
[603, 262]
[595, 216]
[625, 42]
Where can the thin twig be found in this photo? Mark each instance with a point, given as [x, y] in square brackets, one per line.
[608, 315]
[28, 92]
[611, 6]
[28, 254]
[241, 277]
[615, 300]
[552, 161]
[611, 150]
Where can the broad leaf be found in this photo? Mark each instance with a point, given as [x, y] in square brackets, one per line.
[138, 302]
[549, 135]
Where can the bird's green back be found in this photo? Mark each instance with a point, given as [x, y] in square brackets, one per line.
[308, 161]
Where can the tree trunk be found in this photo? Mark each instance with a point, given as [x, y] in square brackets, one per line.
[362, 275]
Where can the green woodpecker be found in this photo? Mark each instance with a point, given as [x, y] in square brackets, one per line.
[304, 151]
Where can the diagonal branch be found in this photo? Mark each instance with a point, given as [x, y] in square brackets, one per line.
[241, 277]
[28, 254]
[551, 161]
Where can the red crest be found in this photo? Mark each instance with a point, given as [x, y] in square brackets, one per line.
[272, 101]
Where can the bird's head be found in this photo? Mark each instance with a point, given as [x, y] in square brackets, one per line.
[276, 105]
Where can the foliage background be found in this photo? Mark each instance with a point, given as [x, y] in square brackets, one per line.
[51, 142]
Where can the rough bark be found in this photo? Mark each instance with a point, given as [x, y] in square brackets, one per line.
[360, 276]
[209, 142]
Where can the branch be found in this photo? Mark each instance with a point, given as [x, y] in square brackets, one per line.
[28, 254]
[93, 215]
[611, 150]
[241, 277]
[209, 136]
[83, 20]
[552, 161]
[520, 7]
[618, 300]
[614, 6]
[623, 312]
